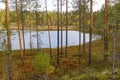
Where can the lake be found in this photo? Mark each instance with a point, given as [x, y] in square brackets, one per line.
[73, 38]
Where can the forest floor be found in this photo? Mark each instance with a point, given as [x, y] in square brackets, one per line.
[69, 68]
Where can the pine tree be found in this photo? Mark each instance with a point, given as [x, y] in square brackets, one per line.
[10, 77]
[90, 33]
[58, 25]
[66, 50]
[106, 29]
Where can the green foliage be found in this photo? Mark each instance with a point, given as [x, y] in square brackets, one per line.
[117, 73]
[2, 17]
[114, 14]
[42, 64]
[91, 74]
[98, 20]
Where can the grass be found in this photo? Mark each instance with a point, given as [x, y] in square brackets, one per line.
[69, 68]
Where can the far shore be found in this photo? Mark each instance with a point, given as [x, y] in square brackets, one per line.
[41, 28]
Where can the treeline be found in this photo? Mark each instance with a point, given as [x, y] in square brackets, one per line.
[113, 13]
[73, 17]
[30, 18]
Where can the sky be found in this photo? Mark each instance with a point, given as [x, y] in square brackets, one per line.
[2, 6]
[96, 5]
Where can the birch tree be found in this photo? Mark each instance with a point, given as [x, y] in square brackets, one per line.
[18, 25]
[114, 51]
[48, 29]
[23, 24]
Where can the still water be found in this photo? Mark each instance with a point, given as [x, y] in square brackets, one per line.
[73, 38]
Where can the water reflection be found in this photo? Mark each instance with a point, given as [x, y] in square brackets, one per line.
[73, 39]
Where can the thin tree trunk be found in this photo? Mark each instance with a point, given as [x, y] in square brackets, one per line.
[66, 50]
[30, 30]
[23, 25]
[61, 29]
[58, 54]
[18, 24]
[48, 29]
[84, 11]
[37, 25]
[106, 30]
[9, 41]
[114, 51]
[90, 33]
[79, 30]
[30, 41]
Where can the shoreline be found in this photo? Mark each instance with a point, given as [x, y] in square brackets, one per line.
[41, 28]
[69, 47]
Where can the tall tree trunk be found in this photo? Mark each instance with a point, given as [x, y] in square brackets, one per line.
[37, 24]
[90, 32]
[79, 29]
[18, 25]
[48, 29]
[61, 29]
[30, 29]
[58, 25]
[66, 50]
[30, 40]
[84, 22]
[9, 41]
[114, 50]
[23, 25]
[106, 30]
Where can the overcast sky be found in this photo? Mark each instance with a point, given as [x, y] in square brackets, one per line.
[96, 5]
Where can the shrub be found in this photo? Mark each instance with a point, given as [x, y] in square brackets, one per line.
[42, 64]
